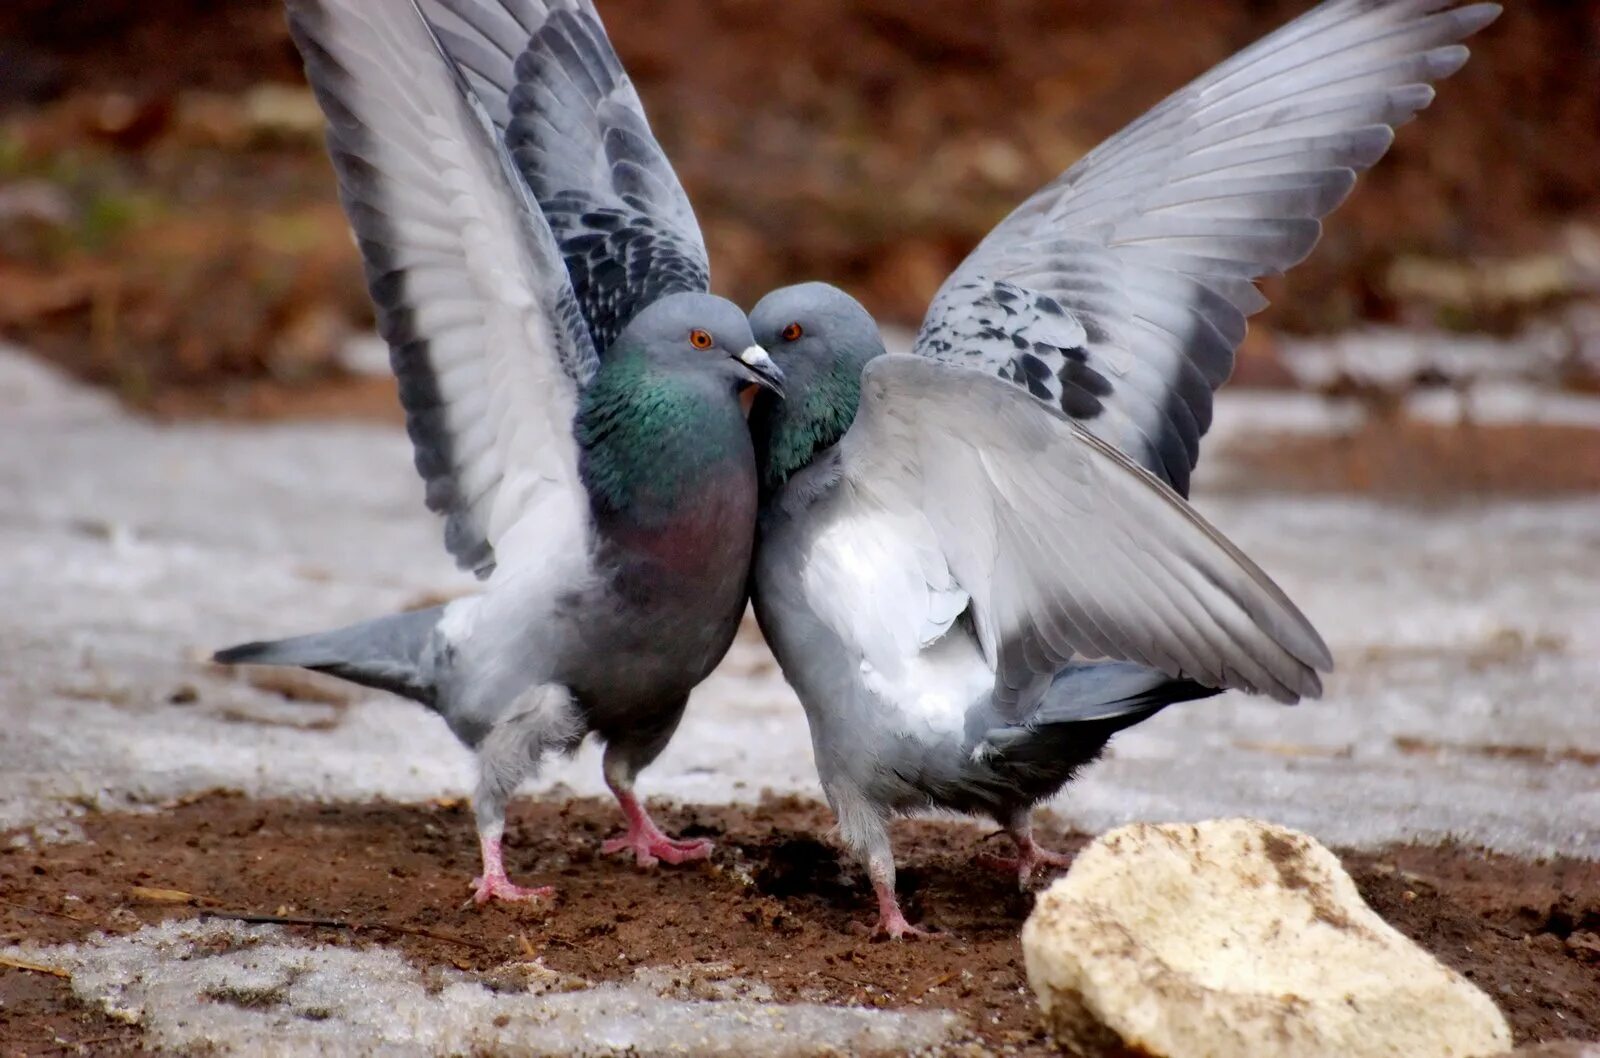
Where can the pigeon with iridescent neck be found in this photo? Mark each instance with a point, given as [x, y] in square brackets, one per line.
[580, 432]
[976, 563]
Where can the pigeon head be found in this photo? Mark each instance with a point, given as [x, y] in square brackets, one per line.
[700, 334]
[660, 421]
[821, 338]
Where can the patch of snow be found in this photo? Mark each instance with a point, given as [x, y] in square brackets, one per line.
[1394, 358]
[1505, 403]
[133, 550]
[254, 990]
[29, 390]
[1467, 642]
[1243, 413]
[1467, 638]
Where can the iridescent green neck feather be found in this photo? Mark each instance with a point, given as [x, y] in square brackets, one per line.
[648, 435]
[821, 405]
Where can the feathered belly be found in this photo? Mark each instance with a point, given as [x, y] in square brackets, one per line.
[672, 602]
[928, 697]
[866, 622]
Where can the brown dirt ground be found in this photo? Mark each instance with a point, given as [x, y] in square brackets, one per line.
[1410, 460]
[1527, 932]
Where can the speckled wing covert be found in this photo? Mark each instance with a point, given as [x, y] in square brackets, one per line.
[483, 327]
[577, 131]
[1119, 291]
[1067, 549]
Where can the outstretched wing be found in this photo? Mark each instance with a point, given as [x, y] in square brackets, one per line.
[577, 131]
[1066, 549]
[482, 325]
[1119, 291]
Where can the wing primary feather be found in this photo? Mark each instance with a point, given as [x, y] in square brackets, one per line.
[470, 290]
[1224, 182]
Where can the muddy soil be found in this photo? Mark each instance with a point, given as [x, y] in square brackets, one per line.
[1406, 459]
[777, 903]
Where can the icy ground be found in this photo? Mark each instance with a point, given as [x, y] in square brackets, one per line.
[329, 1001]
[1467, 639]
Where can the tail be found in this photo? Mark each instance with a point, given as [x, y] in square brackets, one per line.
[391, 653]
[1084, 706]
[1112, 691]
[1088, 702]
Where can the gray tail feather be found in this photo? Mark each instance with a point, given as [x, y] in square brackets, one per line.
[390, 653]
[1112, 691]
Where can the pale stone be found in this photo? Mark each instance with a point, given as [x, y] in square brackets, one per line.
[1237, 938]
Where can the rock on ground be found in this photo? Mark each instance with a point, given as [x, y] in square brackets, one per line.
[1232, 938]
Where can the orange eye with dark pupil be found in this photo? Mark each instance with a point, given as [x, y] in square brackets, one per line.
[792, 332]
[700, 339]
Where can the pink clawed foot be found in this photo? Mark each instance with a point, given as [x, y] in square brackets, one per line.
[650, 849]
[646, 841]
[502, 888]
[892, 924]
[493, 883]
[1029, 859]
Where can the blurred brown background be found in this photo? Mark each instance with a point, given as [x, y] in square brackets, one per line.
[168, 226]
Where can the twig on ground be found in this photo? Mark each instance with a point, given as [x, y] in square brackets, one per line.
[340, 923]
[145, 894]
[937, 982]
[38, 968]
[42, 911]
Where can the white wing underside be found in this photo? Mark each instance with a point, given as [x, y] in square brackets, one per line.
[470, 290]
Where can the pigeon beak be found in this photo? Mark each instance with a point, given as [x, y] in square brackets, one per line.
[760, 369]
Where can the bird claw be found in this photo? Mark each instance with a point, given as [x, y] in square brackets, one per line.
[489, 888]
[649, 849]
[895, 927]
[1026, 865]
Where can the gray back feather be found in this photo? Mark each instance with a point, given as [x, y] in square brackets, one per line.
[577, 131]
[1120, 290]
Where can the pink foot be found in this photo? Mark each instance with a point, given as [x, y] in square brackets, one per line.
[1029, 859]
[892, 924]
[646, 841]
[650, 849]
[493, 883]
[502, 888]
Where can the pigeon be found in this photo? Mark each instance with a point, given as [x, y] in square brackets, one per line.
[976, 563]
[580, 432]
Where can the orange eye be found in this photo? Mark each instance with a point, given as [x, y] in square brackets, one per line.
[700, 339]
[792, 332]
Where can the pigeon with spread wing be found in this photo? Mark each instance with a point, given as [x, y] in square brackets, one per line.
[976, 563]
[573, 400]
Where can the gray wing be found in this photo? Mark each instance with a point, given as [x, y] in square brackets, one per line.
[1120, 290]
[1067, 549]
[482, 325]
[578, 133]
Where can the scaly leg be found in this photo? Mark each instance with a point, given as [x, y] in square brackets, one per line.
[892, 924]
[866, 831]
[493, 884]
[643, 838]
[543, 720]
